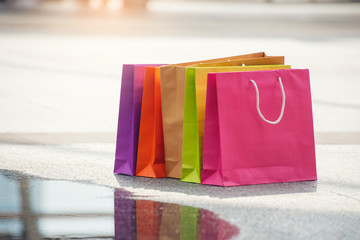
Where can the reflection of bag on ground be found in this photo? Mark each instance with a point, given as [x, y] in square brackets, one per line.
[258, 128]
[172, 94]
[194, 112]
[216, 228]
[129, 118]
[190, 223]
[150, 158]
[124, 215]
[170, 222]
[148, 218]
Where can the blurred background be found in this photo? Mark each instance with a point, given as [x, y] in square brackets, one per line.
[60, 60]
[136, 4]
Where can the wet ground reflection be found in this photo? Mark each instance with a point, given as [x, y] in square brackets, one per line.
[33, 208]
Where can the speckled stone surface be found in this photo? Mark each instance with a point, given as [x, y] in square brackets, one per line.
[325, 209]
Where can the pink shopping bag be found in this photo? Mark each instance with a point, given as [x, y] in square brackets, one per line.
[258, 128]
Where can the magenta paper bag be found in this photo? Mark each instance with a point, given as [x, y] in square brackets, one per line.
[132, 85]
[258, 128]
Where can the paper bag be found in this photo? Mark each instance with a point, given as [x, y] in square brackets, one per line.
[129, 118]
[258, 128]
[172, 79]
[194, 115]
[150, 158]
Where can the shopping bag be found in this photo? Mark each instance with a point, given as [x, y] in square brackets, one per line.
[194, 114]
[129, 118]
[148, 219]
[150, 158]
[172, 79]
[258, 128]
[266, 60]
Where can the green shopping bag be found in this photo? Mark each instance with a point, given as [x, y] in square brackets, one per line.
[194, 115]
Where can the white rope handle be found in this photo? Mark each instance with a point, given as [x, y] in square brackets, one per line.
[258, 103]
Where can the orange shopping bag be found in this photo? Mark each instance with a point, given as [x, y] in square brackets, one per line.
[150, 158]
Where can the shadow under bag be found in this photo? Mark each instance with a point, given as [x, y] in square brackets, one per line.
[258, 128]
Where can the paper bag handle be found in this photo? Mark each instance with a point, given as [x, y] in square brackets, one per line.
[258, 103]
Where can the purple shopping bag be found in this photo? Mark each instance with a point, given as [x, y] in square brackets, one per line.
[258, 128]
[132, 84]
